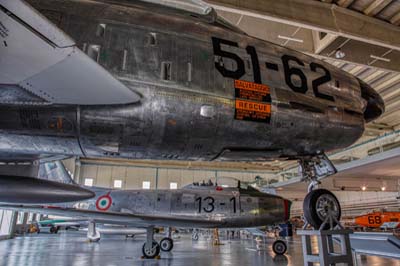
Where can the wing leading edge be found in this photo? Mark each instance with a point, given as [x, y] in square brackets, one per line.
[138, 220]
[39, 58]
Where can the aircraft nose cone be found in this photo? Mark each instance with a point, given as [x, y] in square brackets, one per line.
[375, 104]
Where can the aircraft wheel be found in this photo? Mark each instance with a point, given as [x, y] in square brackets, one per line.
[166, 244]
[320, 205]
[279, 247]
[151, 253]
[53, 230]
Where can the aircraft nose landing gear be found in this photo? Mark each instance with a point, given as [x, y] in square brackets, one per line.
[279, 247]
[321, 208]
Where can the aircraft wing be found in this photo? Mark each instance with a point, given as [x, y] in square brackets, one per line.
[39, 64]
[137, 220]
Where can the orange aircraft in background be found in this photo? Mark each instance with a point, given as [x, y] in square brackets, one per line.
[378, 219]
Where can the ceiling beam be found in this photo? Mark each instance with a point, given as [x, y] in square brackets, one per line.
[376, 6]
[395, 19]
[340, 62]
[309, 14]
[344, 3]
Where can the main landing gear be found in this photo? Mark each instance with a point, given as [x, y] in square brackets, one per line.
[93, 235]
[166, 244]
[321, 208]
[151, 249]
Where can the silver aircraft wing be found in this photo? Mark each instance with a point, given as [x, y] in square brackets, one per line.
[137, 220]
[38, 58]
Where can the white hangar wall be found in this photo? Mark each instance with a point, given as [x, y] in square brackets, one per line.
[132, 177]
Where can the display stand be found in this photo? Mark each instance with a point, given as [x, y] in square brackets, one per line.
[326, 255]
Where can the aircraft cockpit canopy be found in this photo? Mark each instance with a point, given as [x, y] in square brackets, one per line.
[222, 182]
[193, 6]
[197, 8]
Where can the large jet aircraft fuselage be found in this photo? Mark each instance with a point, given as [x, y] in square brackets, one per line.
[208, 91]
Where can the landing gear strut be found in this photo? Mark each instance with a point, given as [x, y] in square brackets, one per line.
[151, 248]
[93, 235]
[321, 208]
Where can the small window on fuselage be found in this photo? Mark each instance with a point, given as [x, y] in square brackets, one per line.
[93, 51]
[101, 29]
[152, 39]
[166, 70]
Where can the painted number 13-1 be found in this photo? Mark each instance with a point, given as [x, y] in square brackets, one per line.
[207, 204]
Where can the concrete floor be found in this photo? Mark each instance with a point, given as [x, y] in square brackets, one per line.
[72, 249]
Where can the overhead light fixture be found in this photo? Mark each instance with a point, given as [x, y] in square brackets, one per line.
[387, 60]
[384, 185]
[363, 188]
[339, 54]
[290, 39]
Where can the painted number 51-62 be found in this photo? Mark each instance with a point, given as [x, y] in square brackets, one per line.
[291, 67]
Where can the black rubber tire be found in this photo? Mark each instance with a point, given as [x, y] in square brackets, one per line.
[53, 230]
[171, 244]
[279, 247]
[310, 212]
[152, 256]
